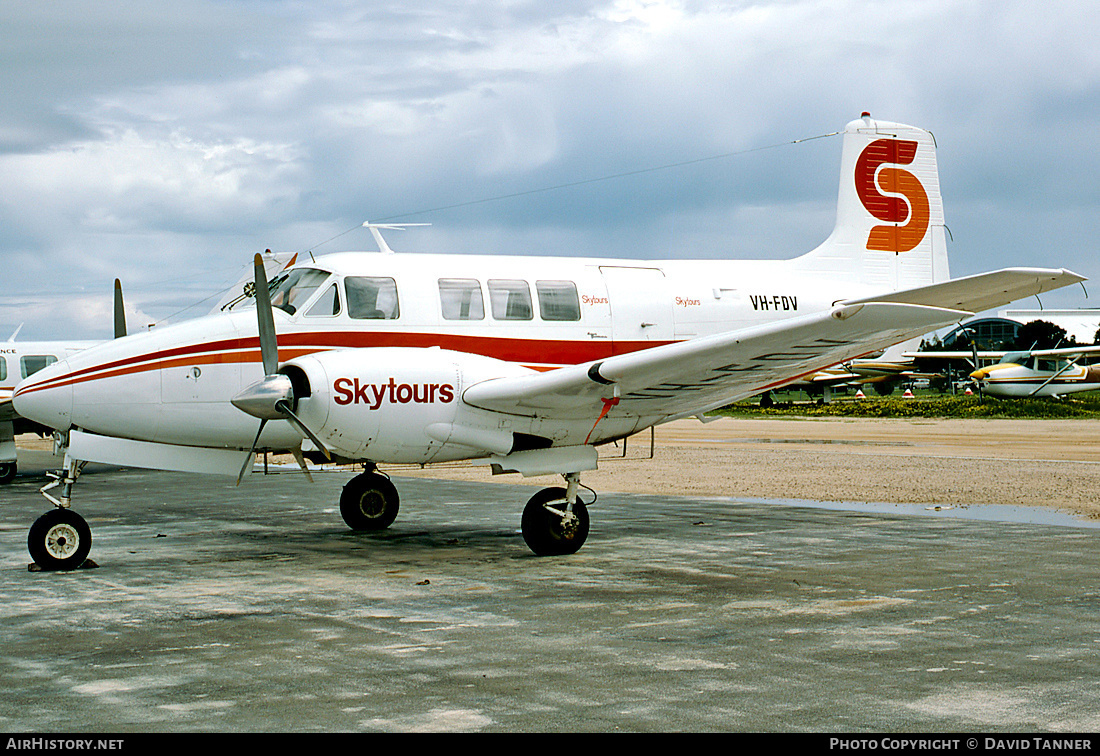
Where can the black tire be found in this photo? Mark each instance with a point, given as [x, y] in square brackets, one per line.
[369, 502]
[7, 472]
[545, 533]
[59, 540]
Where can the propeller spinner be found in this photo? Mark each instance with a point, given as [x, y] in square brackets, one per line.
[272, 398]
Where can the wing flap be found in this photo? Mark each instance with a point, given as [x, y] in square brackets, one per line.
[696, 375]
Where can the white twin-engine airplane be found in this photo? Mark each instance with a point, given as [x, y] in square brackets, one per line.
[526, 363]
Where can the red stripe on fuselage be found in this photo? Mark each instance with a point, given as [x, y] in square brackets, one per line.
[538, 353]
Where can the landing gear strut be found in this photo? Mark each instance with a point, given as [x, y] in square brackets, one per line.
[369, 502]
[555, 520]
[60, 539]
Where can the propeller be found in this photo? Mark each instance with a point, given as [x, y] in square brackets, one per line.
[273, 397]
[120, 311]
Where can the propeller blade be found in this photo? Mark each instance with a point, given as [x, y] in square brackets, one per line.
[120, 312]
[297, 452]
[251, 458]
[269, 344]
[283, 407]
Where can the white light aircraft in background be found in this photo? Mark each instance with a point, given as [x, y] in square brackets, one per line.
[19, 360]
[526, 364]
[1040, 372]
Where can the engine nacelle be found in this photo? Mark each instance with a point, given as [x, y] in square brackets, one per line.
[398, 404]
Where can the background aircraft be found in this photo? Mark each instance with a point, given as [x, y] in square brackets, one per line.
[526, 364]
[18, 360]
[1040, 372]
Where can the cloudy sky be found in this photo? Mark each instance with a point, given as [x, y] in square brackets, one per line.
[165, 142]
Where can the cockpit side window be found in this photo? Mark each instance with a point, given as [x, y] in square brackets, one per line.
[327, 305]
[372, 298]
[290, 291]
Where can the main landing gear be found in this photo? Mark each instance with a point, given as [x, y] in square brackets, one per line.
[555, 521]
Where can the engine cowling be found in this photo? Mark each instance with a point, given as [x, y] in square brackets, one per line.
[397, 404]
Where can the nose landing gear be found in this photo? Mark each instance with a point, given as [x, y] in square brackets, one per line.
[60, 539]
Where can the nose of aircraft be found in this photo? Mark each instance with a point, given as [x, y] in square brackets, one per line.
[46, 399]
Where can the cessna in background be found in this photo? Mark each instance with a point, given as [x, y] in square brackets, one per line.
[1040, 372]
[525, 364]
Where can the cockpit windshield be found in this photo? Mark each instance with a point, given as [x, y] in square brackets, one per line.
[291, 290]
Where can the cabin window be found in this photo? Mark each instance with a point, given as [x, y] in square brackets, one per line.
[372, 298]
[290, 291]
[461, 299]
[3, 369]
[32, 363]
[558, 300]
[510, 300]
[327, 305]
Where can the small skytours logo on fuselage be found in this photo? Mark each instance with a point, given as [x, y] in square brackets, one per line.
[374, 395]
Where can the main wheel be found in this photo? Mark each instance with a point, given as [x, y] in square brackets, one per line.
[551, 534]
[7, 472]
[369, 502]
[59, 540]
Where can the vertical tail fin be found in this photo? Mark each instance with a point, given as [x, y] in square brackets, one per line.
[889, 232]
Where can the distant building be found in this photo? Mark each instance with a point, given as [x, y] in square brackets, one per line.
[1080, 324]
[990, 335]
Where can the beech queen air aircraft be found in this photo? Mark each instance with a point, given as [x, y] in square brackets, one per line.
[525, 363]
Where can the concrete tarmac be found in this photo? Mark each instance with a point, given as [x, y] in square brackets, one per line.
[217, 608]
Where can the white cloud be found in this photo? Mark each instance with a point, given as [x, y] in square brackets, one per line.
[213, 130]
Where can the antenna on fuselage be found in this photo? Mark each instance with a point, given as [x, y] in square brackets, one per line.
[377, 234]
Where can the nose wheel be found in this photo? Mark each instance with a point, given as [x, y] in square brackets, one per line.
[59, 540]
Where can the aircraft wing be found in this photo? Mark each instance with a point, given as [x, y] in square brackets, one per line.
[1065, 351]
[689, 377]
[7, 410]
[959, 355]
[982, 291]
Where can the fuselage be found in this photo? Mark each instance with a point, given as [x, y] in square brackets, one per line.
[173, 384]
[1037, 377]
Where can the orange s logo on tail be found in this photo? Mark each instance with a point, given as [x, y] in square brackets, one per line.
[892, 209]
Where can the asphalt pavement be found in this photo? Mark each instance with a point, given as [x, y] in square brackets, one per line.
[217, 608]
